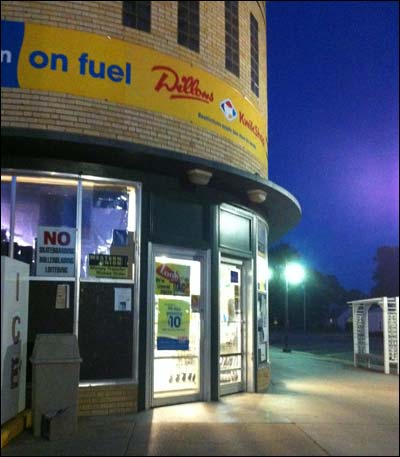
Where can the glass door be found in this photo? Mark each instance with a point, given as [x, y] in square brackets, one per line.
[231, 327]
[178, 326]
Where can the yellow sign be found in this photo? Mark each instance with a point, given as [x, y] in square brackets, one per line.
[108, 266]
[173, 325]
[101, 67]
[172, 279]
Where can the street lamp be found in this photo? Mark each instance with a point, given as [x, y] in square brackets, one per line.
[304, 306]
[294, 274]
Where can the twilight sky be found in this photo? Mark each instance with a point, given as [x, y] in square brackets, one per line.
[333, 103]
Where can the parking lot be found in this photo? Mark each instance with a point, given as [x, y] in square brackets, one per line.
[335, 345]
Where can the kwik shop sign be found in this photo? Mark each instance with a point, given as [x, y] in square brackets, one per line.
[52, 59]
[55, 251]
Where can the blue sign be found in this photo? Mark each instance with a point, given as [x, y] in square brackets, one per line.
[234, 277]
[12, 35]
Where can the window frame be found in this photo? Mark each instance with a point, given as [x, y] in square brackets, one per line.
[76, 279]
[254, 56]
[232, 49]
[139, 16]
[188, 36]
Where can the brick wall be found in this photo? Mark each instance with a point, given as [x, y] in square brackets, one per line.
[263, 379]
[107, 400]
[68, 113]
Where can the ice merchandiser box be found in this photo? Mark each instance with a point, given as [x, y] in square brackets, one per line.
[14, 333]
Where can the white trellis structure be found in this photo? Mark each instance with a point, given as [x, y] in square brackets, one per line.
[390, 314]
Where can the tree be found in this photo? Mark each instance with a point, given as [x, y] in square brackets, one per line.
[386, 274]
[354, 294]
[322, 291]
[281, 254]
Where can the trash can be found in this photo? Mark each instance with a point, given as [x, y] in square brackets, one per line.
[55, 382]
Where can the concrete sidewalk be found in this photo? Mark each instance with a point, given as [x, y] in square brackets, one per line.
[314, 407]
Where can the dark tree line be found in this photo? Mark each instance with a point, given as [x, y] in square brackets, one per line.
[386, 274]
[323, 294]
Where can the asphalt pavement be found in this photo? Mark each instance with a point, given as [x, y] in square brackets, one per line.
[332, 344]
[316, 405]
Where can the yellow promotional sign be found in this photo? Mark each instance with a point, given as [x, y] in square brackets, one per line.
[101, 67]
[173, 325]
[172, 279]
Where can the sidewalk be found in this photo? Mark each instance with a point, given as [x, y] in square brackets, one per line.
[313, 407]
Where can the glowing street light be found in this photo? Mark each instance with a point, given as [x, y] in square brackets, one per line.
[294, 273]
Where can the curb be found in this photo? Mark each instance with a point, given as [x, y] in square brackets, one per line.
[15, 426]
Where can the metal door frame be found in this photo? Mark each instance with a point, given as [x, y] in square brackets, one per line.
[204, 256]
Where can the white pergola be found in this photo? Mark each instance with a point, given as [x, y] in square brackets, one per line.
[390, 314]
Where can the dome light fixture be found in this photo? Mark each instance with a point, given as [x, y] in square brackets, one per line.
[257, 195]
[199, 177]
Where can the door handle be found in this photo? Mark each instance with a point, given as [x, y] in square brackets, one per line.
[17, 288]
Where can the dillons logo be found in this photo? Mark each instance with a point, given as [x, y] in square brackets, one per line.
[181, 86]
[228, 109]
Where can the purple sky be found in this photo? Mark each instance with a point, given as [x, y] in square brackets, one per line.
[333, 103]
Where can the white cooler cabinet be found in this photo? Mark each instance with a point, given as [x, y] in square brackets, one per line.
[14, 333]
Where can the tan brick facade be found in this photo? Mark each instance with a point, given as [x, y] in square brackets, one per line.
[263, 379]
[107, 400]
[79, 115]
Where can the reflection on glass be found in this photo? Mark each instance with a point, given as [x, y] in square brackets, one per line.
[262, 291]
[230, 337]
[230, 369]
[5, 214]
[108, 226]
[230, 325]
[176, 372]
[41, 204]
[45, 225]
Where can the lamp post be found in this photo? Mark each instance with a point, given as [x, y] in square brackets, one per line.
[294, 274]
[304, 306]
[286, 346]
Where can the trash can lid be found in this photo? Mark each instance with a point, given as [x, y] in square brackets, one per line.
[55, 348]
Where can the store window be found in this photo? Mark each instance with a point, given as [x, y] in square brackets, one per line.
[5, 213]
[232, 36]
[45, 225]
[108, 231]
[189, 25]
[107, 289]
[262, 294]
[78, 236]
[137, 15]
[254, 54]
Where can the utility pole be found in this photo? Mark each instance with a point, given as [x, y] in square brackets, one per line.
[286, 347]
[304, 305]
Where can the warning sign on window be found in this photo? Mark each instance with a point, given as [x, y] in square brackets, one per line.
[55, 255]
